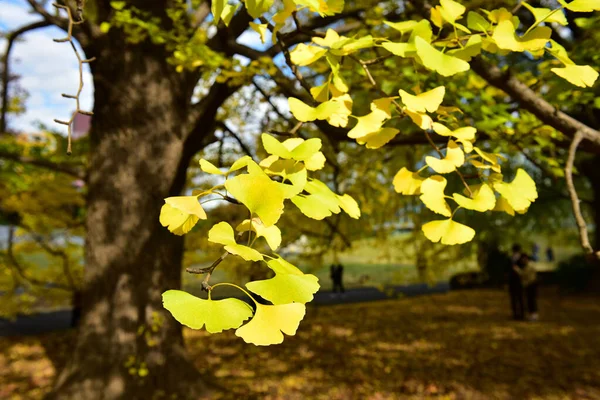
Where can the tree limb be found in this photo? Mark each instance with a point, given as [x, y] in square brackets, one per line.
[65, 168]
[581, 224]
[62, 23]
[532, 102]
[10, 39]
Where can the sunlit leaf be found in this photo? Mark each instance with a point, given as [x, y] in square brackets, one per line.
[269, 321]
[222, 233]
[435, 60]
[272, 234]
[483, 199]
[578, 75]
[407, 182]
[581, 5]
[547, 15]
[180, 213]
[428, 101]
[259, 193]
[463, 133]
[303, 54]
[448, 232]
[305, 113]
[256, 8]
[432, 195]
[375, 140]
[454, 158]
[506, 37]
[216, 315]
[520, 193]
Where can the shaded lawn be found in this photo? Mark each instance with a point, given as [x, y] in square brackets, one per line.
[459, 345]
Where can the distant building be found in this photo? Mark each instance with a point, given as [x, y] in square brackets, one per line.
[81, 126]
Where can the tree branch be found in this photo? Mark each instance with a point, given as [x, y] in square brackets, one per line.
[10, 39]
[62, 23]
[581, 224]
[65, 168]
[532, 102]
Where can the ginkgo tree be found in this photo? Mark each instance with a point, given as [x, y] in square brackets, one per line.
[444, 43]
[167, 74]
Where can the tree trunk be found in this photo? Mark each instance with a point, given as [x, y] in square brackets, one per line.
[128, 345]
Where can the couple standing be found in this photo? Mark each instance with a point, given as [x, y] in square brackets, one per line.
[522, 282]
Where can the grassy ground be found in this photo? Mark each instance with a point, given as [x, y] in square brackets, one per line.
[459, 345]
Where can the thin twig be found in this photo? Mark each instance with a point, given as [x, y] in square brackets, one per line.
[581, 224]
[69, 38]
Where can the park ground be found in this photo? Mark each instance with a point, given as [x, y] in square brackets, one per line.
[459, 345]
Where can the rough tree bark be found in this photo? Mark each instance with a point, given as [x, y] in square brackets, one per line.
[139, 155]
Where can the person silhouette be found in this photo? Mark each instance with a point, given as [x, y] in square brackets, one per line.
[337, 277]
[515, 287]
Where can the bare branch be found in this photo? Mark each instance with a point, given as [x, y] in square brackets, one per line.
[65, 168]
[11, 38]
[231, 133]
[62, 23]
[581, 224]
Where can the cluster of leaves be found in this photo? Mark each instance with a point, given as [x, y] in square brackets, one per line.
[263, 190]
[444, 44]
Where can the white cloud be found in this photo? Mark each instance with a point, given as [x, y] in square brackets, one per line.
[46, 70]
[15, 15]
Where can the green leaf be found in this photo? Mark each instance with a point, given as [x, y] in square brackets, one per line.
[180, 213]
[269, 321]
[272, 234]
[216, 315]
[222, 233]
[256, 8]
[435, 60]
[259, 193]
[448, 232]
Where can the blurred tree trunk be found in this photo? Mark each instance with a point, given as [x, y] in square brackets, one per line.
[128, 345]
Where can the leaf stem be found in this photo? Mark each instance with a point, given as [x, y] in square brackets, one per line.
[235, 286]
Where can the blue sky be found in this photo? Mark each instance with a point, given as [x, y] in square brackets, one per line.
[48, 69]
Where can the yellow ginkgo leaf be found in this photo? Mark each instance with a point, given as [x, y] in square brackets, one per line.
[547, 15]
[261, 29]
[422, 30]
[448, 231]
[437, 61]
[330, 39]
[423, 121]
[432, 195]
[290, 285]
[476, 22]
[256, 8]
[451, 11]
[483, 199]
[407, 182]
[320, 93]
[305, 113]
[180, 213]
[222, 233]
[506, 38]
[303, 55]
[367, 124]
[293, 174]
[454, 158]
[464, 133]
[210, 168]
[503, 206]
[402, 27]
[340, 116]
[578, 75]
[269, 321]
[312, 207]
[428, 101]
[272, 234]
[490, 157]
[216, 315]
[581, 5]
[378, 138]
[259, 193]
[520, 193]
[471, 49]
[349, 205]
[316, 162]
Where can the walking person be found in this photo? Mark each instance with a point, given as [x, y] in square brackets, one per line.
[515, 286]
[528, 274]
[337, 276]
